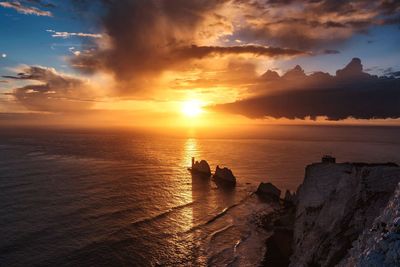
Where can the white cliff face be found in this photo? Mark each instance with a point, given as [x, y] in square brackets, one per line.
[380, 244]
[336, 202]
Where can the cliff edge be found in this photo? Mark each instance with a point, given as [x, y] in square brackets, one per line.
[335, 204]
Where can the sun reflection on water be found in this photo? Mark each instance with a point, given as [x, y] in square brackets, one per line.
[190, 150]
[185, 189]
[200, 191]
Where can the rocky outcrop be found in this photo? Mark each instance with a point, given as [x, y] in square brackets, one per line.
[224, 176]
[380, 244]
[290, 199]
[268, 191]
[335, 204]
[201, 167]
[279, 244]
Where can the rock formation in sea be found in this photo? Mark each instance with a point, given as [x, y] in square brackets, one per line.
[268, 191]
[201, 167]
[336, 203]
[224, 176]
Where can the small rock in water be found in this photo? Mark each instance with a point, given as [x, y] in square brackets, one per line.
[201, 167]
[268, 191]
[224, 176]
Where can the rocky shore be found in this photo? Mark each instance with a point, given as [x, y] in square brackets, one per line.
[343, 214]
[329, 221]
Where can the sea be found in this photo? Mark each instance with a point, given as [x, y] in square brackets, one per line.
[125, 198]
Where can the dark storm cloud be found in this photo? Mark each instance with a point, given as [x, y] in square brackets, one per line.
[143, 38]
[202, 51]
[390, 6]
[310, 24]
[143, 33]
[146, 37]
[351, 93]
[55, 93]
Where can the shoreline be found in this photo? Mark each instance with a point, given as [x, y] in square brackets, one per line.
[313, 217]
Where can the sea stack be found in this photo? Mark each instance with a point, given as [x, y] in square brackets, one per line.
[201, 167]
[268, 191]
[224, 176]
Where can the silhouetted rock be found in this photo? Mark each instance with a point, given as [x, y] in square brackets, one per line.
[201, 167]
[290, 199]
[224, 176]
[279, 245]
[268, 191]
[279, 248]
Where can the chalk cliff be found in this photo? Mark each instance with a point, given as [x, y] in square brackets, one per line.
[335, 204]
[380, 244]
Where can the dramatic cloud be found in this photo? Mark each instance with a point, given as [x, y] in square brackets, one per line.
[27, 10]
[245, 75]
[143, 38]
[52, 91]
[202, 51]
[66, 35]
[351, 93]
[312, 24]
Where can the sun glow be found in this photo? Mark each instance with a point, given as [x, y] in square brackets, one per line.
[192, 108]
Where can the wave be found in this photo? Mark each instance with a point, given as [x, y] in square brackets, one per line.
[241, 241]
[163, 214]
[221, 231]
[224, 211]
[219, 215]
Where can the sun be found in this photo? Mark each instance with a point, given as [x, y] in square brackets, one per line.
[192, 108]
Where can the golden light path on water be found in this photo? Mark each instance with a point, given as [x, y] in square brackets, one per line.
[194, 190]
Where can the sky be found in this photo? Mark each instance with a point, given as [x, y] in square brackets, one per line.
[199, 63]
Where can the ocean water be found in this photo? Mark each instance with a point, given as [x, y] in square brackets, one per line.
[104, 198]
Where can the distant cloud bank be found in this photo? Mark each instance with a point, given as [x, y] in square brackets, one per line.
[352, 93]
